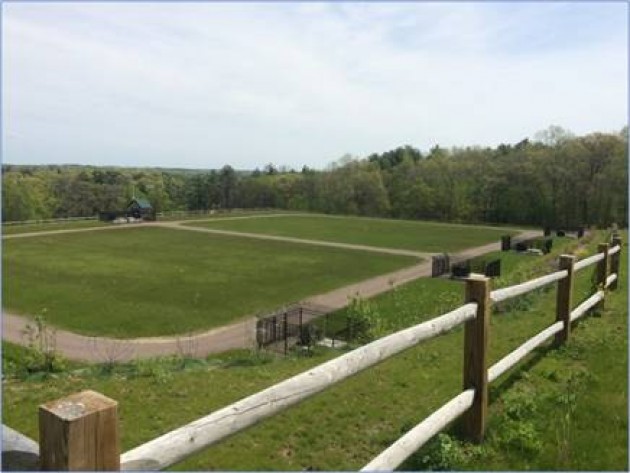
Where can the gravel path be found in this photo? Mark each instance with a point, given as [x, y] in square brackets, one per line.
[240, 334]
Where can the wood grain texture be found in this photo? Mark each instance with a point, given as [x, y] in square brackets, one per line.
[79, 432]
[564, 298]
[475, 357]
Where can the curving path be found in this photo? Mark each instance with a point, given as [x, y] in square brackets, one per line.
[240, 334]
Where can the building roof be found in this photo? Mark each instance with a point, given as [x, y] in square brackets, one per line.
[142, 203]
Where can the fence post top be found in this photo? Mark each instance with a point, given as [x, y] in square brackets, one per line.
[78, 405]
[476, 277]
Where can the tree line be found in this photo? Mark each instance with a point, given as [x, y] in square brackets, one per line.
[556, 179]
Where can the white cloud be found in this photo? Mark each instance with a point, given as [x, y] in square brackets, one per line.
[204, 84]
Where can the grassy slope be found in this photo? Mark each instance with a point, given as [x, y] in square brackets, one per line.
[412, 235]
[150, 281]
[344, 427]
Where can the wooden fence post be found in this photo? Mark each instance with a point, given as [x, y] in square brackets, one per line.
[602, 272]
[564, 298]
[614, 261]
[475, 357]
[79, 432]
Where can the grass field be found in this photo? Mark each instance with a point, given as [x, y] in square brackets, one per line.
[170, 216]
[46, 227]
[404, 234]
[560, 409]
[151, 281]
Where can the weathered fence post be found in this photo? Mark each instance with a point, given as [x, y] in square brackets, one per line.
[79, 432]
[475, 357]
[602, 271]
[614, 261]
[564, 298]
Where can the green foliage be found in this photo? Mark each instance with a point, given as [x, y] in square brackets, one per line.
[153, 368]
[441, 454]
[41, 359]
[364, 322]
[517, 431]
[521, 436]
[558, 180]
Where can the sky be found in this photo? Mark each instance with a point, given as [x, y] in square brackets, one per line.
[201, 85]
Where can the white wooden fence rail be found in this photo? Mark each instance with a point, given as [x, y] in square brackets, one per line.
[521, 352]
[587, 305]
[409, 443]
[499, 295]
[48, 220]
[178, 444]
[413, 440]
[19, 452]
[611, 279]
[588, 261]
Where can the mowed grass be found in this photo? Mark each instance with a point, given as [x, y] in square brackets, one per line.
[403, 234]
[234, 213]
[346, 426]
[151, 281]
[48, 227]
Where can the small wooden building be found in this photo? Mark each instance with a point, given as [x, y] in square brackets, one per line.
[140, 208]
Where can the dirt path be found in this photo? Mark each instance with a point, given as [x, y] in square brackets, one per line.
[237, 335]
[262, 236]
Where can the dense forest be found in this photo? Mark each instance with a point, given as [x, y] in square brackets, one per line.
[556, 179]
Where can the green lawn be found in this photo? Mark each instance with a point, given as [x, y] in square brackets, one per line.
[560, 409]
[404, 234]
[170, 216]
[151, 281]
[47, 227]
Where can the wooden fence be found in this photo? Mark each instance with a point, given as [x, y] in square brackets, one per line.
[49, 220]
[80, 432]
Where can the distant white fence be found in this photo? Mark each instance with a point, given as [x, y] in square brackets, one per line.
[49, 220]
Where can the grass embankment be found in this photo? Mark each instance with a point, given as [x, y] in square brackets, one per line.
[50, 227]
[384, 233]
[559, 409]
[151, 281]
